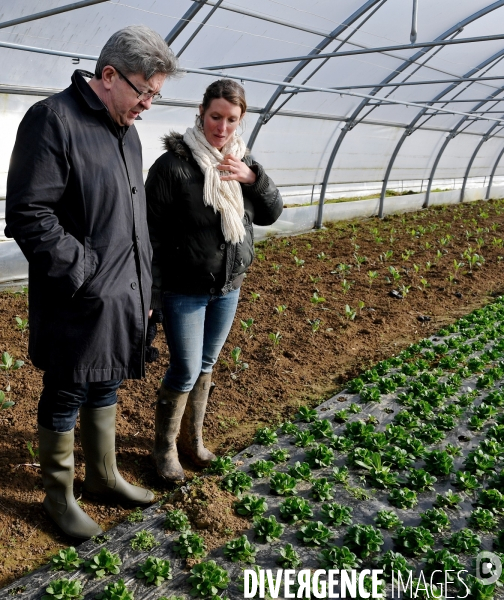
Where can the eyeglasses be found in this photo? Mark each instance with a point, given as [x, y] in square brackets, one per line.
[140, 95]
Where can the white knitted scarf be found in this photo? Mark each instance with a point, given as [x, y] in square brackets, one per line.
[223, 196]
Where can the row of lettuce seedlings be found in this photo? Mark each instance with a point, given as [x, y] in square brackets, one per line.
[441, 385]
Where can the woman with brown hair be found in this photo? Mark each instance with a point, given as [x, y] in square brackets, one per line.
[203, 194]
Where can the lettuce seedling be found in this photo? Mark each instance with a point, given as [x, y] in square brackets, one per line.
[279, 456]
[398, 457]
[429, 433]
[340, 474]
[207, 579]
[387, 519]
[492, 499]
[283, 484]
[143, 540]
[392, 563]
[267, 529]
[154, 570]
[177, 520]
[483, 519]
[479, 463]
[340, 443]
[441, 560]
[300, 471]
[251, 506]
[66, 559]
[103, 563]
[295, 510]
[478, 589]
[222, 465]
[289, 558]
[265, 436]
[236, 482]
[403, 498]
[338, 558]
[413, 540]
[322, 489]
[303, 439]
[116, 591]
[306, 414]
[449, 500]
[262, 468]
[314, 534]
[370, 394]
[321, 429]
[63, 589]
[189, 545]
[289, 428]
[420, 480]
[464, 541]
[435, 520]
[355, 386]
[438, 462]
[240, 550]
[466, 481]
[335, 514]
[363, 540]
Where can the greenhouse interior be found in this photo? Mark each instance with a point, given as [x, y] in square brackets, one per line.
[356, 411]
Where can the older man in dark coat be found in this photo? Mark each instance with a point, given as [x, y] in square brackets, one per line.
[76, 207]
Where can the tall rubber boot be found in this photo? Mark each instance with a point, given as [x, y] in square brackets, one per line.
[170, 407]
[103, 479]
[190, 442]
[56, 454]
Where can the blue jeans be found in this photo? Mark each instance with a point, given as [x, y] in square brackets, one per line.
[61, 399]
[196, 327]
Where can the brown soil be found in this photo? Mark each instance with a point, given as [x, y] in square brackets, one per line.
[305, 367]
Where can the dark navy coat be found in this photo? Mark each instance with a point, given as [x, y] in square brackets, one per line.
[76, 207]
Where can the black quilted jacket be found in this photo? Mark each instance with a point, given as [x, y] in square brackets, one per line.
[190, 253]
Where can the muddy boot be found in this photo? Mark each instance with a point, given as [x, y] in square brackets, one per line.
[103, 480]
[170, 407]
[190, 442]
[56, 454]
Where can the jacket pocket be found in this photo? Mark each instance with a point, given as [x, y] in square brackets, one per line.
[90, 262]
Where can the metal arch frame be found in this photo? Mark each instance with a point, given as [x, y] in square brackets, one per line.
[184, 21]
[50, 13]
[452, 134]
[351, 123]
[301, 65]
[200, 27]
[410, 129]
[483, 139]
[492, 174]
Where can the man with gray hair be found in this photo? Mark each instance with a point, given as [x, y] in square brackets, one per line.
[76, 207]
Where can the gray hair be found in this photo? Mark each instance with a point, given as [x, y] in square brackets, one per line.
[137, 49]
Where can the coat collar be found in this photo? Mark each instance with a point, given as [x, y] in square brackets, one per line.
[87, 94]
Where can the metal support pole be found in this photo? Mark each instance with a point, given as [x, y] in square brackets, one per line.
[470, 164]
[200, 27]
[413, 34]
[492, 174]
[434, 167]
[49, 13]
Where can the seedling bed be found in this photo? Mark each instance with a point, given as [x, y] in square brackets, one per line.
[441, 400]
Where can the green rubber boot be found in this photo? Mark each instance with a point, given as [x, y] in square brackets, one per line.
[190, 442]
[56, 454]
[103, 480]
[170, 407]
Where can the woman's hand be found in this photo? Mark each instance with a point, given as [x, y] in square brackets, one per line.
[237, 170]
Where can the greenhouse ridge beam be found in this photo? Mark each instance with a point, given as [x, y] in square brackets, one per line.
[50, 13]
[380, 50]
[453, 30]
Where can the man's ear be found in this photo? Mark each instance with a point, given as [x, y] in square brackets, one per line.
[108, 76]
